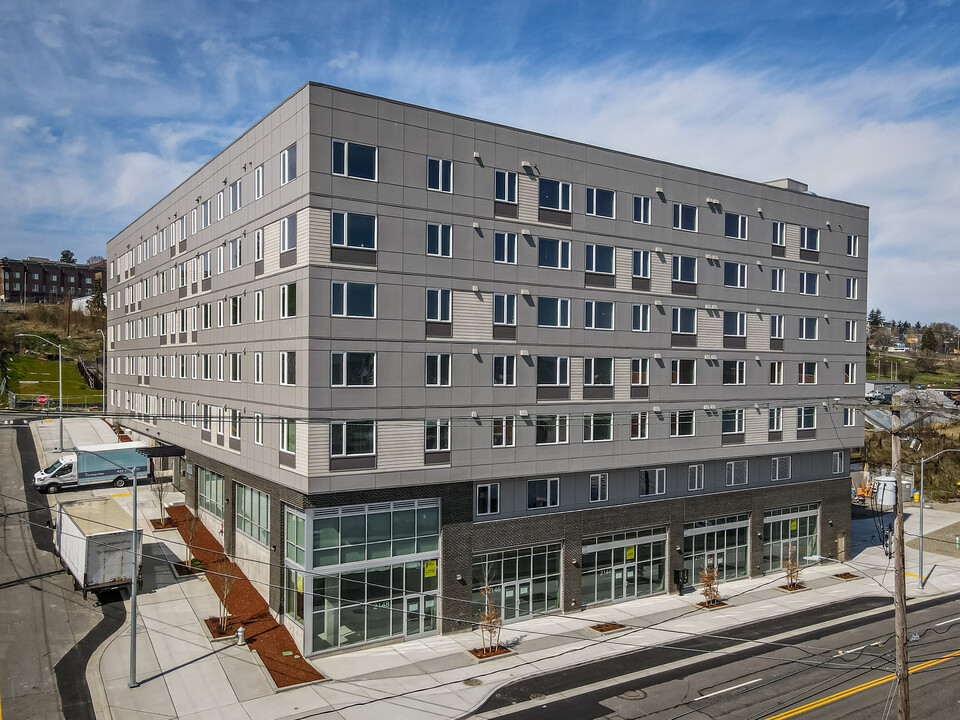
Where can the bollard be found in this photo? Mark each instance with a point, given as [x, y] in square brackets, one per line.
[240, 638]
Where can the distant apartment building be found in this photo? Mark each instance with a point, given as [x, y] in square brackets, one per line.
[39, 280]
[410, 354]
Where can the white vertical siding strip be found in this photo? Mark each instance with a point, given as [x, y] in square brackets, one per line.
[576, 378]
[528, 197]
[472, 316]
[792, 239]
[621, 378]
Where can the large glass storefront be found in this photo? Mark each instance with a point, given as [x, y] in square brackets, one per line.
[523, 581]
[363, 573]
[790, 530]
[623, 566]
[718, 542]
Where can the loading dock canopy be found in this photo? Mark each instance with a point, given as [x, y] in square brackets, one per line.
[162, 451]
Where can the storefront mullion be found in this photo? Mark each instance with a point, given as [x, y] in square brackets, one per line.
[720, 543]
[790, 530]
[623, 566]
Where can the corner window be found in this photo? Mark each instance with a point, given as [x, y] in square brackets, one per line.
[439, 175]
[488, 499]
[736, 473]
[599, 487]
[543, 493]
[554, 253]
[288, 164]
[598, 315]
[354, 230]
[354, 160]
[350, 299]
[641, 209]
[554, 195]
[735, 226]
[685, 217]
[601, 202]
[505, 186]
[439, 240]
[505, 248]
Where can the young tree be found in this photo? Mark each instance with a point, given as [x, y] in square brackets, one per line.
[710, 579]
[67, 256]
[490, 622]
[228, 581]
[95, 303]
[160, 491]
[928, 341]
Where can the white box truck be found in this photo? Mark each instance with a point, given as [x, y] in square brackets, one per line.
[114, 463]
[94, 541]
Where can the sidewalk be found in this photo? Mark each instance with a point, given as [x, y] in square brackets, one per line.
[184, 674]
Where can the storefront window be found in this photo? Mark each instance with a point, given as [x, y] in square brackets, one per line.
[717, 542]
[790, 530]
[522, 581]
[623, 566]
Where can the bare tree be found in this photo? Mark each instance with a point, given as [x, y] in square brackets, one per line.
[160, 491]
[710, 579]
[228, 581]
[490, 622]
[793, 570]
[193, 525]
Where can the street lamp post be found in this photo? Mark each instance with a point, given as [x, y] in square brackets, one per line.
[59, 381]
[103, 373]
[923, 580]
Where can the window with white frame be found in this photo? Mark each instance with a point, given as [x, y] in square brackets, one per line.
[354, 160]
[258, 182]
[439, 175]
[731, 421]
[235, 310]
[220, 205]
[807, 373]
[734, 324]
[554, 194]
[288, 435]
[734, 274]
[504, 309]
[288, 300]
[488, 499]
[638, 425]
[736, 473]
[809, 239]
[809, 283]
[436, 435]
[437, 369]
[853, 245]
[257, 429]
[694, 477]
[735, 226]
[778, 279]
[288, 233]
[504, 370]
[234, 421]
[503, 427]
[838, 462]
[554, 253]
[236, 258]
[602, 203]
[852, 288]
[599, 483]
[641, 318]
[780, 467]
[850, 330]
[353, 230]
[683, 371]
[288, 164]
[684, 269]
[552, 429]
[684, 321]
[505, 247]
[682, 423]
[253, 513]
[257, 367]
[685, 217]
[439, 240]
[598, 372]
[808, 328]
[776, 327]
[849, 373]
[641, 264]
[351, 299]
[258, 244]
[543, 493]
[734, 372]
[236, 196]
[775, 419]
[258, 306]
[235, 367]
[505, 186]
[357, 437]
[353, 369]
[776, 372]
[779, 234]
[220, 375]
[598, 315]
[205, 214]
[807, 417]
[599, 258]
[653, 482]
[640, 372]
[438, 305]
[553, 312]
[553, 371]
[288, 367]
[641, 209]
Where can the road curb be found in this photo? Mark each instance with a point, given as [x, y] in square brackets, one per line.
[98, 695]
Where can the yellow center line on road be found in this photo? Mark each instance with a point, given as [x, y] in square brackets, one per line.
[859, 688]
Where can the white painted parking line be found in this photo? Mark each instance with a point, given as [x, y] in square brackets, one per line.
[720, 692]
[947, 622]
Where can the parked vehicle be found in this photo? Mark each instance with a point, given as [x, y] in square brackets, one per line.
[94, 539]
[91, 464]
[921, 386]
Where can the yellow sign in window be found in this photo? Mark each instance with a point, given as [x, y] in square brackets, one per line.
[631, 550]
[793, 524]
[430, 568]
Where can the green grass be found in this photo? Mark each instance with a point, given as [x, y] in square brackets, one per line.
[30, 375]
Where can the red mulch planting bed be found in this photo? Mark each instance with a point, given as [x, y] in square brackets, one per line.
[213, 625]
[271, 641]
[607, 627]
[482, 654]
[184, 570]
[846, 576]
[166, 523]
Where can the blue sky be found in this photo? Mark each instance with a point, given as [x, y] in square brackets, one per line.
[106, 106]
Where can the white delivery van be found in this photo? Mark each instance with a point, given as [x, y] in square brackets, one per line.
[114, 463]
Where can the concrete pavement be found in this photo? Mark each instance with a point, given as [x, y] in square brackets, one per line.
[184, 674]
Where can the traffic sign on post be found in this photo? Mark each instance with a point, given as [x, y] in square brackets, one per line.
[42, 399]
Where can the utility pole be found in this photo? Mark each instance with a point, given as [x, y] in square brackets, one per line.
[899, 580]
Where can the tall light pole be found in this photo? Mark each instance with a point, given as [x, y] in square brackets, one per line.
[59, 376]
[103, 373]
[923, 580]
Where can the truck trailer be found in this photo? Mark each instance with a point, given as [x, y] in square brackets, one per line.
[115, 463]
[94, 539]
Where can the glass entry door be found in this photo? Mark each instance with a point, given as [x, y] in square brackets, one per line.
[420, 616]
[516, 600]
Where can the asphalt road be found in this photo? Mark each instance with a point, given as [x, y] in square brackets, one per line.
[47, 630]
[806, 678]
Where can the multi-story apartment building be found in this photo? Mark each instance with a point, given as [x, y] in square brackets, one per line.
[410, 354]
[41, 280]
